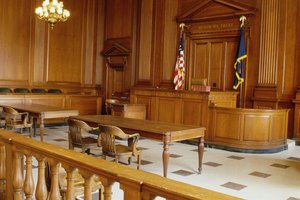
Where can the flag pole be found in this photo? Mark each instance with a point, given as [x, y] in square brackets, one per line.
[242, 19]
[241, 96]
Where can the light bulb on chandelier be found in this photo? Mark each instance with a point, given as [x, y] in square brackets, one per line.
[52, 11]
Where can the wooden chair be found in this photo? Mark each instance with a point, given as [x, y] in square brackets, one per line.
[107, 139]
[108, 106]
[15, 119]
[76, 129]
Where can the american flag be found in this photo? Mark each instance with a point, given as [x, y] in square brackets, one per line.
[179, 74]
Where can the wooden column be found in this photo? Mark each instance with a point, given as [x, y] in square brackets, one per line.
[269, 42]
[268, 58]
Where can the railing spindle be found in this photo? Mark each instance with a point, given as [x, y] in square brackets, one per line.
[41, 192]
[70, 182]
[54, 190]
[2, 171]
[87, 185]
[18, 175]
[29, 182]
[107, 185]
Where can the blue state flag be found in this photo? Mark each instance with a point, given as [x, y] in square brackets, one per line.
[239, 65]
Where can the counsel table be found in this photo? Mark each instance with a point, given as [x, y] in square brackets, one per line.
[165, 132]
[42, 112]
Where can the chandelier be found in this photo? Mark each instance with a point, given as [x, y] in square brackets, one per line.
[52, 11]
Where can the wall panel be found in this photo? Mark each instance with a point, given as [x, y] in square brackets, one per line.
[66, 46]
[216, 64]
[119, 16]
[200, 59]
[170, 41]
[15, 40]
[230, 52]
[145, 43]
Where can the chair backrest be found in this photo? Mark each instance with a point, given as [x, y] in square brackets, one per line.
[38, 90]
[55, 91]
[5, 90]
[10, 115]
[76, 127]
[108, 136]
[21, 90]
[10, 111]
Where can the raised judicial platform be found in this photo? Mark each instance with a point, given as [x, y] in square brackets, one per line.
[227, 127]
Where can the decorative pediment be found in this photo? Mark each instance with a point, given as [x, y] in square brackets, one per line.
[116, 56]
[115, 49]
[215, 9]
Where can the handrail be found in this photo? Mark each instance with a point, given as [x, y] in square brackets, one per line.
[136, 184]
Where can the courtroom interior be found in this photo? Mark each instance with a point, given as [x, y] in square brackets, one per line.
[150, 99]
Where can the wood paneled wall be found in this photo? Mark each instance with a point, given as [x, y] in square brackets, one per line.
[33, 55]
[69, 56]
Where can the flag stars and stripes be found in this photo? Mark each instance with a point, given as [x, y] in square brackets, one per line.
[179, 74]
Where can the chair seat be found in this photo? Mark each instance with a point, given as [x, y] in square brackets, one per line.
[121, 149]
[89, 140]
[19, 124]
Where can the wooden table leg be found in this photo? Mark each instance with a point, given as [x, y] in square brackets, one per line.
[166, 154]
[200, 153]
[42, 128]
[34, 122]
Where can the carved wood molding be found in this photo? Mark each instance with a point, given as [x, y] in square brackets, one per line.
[116, 56]
[215, 9]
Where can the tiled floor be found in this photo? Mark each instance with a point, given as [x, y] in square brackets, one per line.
[249, 176]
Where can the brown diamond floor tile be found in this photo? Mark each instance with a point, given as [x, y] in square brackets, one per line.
[52, 128]
[196, 150]
[145, 162]
[60, 140]
[280, 166]
[260, 174]
[212, 164]
[293, 198]
[236, 157]
[294, 158]
[175, 156]
[183, 172]
[234, 186]
[142, 148]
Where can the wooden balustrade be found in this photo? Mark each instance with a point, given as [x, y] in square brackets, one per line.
[15, 183]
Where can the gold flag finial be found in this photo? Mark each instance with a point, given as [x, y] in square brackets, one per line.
[243, 19]
[182, 25]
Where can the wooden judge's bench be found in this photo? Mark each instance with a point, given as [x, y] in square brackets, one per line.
[228, 127]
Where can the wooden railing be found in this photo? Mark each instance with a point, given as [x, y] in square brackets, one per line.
[17, 183]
